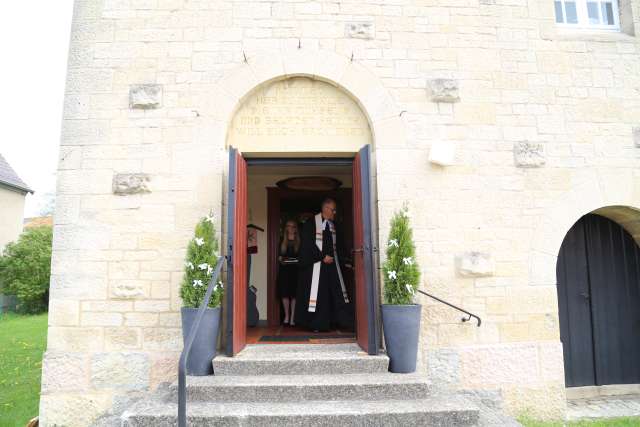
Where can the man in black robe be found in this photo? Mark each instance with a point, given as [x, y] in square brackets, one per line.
[322, 302]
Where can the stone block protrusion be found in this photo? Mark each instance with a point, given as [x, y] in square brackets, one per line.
[145, 96]
[131, 183]
[129, 289]
[529, 154]
[475, 264]
[443, 153]
[636, 136]
[359, 30]
[443, 90]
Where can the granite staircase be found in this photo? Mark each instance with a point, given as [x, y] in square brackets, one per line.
[302, 385]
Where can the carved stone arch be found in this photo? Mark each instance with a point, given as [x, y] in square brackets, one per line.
[607, 193]
[221, 101]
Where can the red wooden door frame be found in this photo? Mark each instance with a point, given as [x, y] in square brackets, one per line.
[362, 326]
[236, 295]
[273, 235]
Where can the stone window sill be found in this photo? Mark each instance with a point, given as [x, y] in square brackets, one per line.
[592, 35]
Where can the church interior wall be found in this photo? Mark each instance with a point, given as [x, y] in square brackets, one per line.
[257, 203]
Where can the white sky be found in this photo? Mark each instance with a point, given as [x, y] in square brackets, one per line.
[34, 41]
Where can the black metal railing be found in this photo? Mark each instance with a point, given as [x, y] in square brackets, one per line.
[182, 365]
[453, 306]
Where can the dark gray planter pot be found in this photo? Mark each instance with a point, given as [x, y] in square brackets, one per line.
[203, 349]
[401, 325]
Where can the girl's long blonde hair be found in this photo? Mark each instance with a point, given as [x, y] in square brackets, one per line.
[285, 238]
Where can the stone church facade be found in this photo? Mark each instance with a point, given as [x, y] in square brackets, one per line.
[499, 126]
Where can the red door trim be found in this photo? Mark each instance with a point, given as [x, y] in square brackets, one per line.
[273, 235]
[362, 326]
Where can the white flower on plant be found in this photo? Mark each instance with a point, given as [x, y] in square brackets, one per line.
[197, 283]
[393, 242]
[203, 266]
[407, 261]
[199, 241]
[220, 283]
[410, 289]
[189, 264]
[392, 275]
[209, 270]
[210, 218]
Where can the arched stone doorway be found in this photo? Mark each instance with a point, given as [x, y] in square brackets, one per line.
[300, 123]
[598, 277]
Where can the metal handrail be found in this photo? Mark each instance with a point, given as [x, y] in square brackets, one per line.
[182, 365]
[453, 306]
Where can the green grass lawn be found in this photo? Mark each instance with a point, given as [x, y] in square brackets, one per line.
[22, 343]
[609, 422]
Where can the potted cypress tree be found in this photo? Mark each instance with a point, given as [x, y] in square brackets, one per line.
[201, 258]
[400, 315]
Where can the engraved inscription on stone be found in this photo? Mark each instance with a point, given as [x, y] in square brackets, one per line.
[131, 183]
[300, 109]
[359, 30]
[146, 96]
[443, 90]
[529, 154]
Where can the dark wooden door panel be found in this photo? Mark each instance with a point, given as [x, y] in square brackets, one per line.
[367, 307]
[574, 307]
[599, 300]
[362, 324]
[615, 304]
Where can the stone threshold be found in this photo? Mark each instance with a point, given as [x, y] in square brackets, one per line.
[589, 392]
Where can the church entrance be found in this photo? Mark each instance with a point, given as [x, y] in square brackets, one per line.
[598, 273]
[266, 193]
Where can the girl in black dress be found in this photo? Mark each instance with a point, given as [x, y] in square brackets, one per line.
[288, 271]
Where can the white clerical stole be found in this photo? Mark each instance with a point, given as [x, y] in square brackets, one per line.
[321, 223]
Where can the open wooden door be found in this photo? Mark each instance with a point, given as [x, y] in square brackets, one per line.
[236, 292]
[364, 256]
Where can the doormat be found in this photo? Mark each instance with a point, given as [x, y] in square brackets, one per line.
[298, 338]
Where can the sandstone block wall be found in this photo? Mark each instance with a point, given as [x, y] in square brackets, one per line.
[542, 124]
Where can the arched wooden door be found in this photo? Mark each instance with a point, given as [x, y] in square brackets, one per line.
[598, 274]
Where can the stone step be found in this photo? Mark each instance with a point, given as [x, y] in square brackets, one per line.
[300, 359]
[433, 411]
[263, 388]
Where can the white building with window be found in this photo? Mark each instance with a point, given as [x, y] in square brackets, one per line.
[510, 128]
[13, 191]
